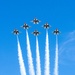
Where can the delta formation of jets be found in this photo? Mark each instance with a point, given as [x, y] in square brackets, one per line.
[36, 32]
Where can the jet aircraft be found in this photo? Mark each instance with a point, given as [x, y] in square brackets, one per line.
[16, 32]
[35, 21]
[25, 26]
[36, 33]
[56, 32]
[46, 26]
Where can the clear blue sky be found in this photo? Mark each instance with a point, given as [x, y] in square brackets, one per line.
[58, 13]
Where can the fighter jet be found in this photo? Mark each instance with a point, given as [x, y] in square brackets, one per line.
[36, 33]
[35, 21]
[56, 32]
[25, 26]
[16, 32]
[46, 26]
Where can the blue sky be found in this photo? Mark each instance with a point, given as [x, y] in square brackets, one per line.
[59, 14]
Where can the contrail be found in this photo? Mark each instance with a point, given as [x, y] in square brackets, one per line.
[47, 63]
[38, 65]
[20, 58]
[29, 54]
[56, 58]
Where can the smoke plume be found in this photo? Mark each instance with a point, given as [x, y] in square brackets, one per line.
[20, 58]
[47, 63]
[29, 54]
[56, 58]
[38, 65]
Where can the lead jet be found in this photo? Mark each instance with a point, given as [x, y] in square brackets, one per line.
[16, 32]
[46, 26]
[36, 33]
[35, 21]
[25, 26]
[56, 32]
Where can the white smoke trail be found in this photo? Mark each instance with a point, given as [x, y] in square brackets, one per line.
[56, 58]
[20, 58]
[38, 65]
[47, 63]
[29, 54]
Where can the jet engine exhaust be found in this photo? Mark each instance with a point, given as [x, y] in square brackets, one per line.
[56, 58]
[29, 54]
[47, 63]
[38, 65]
[20, 58]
